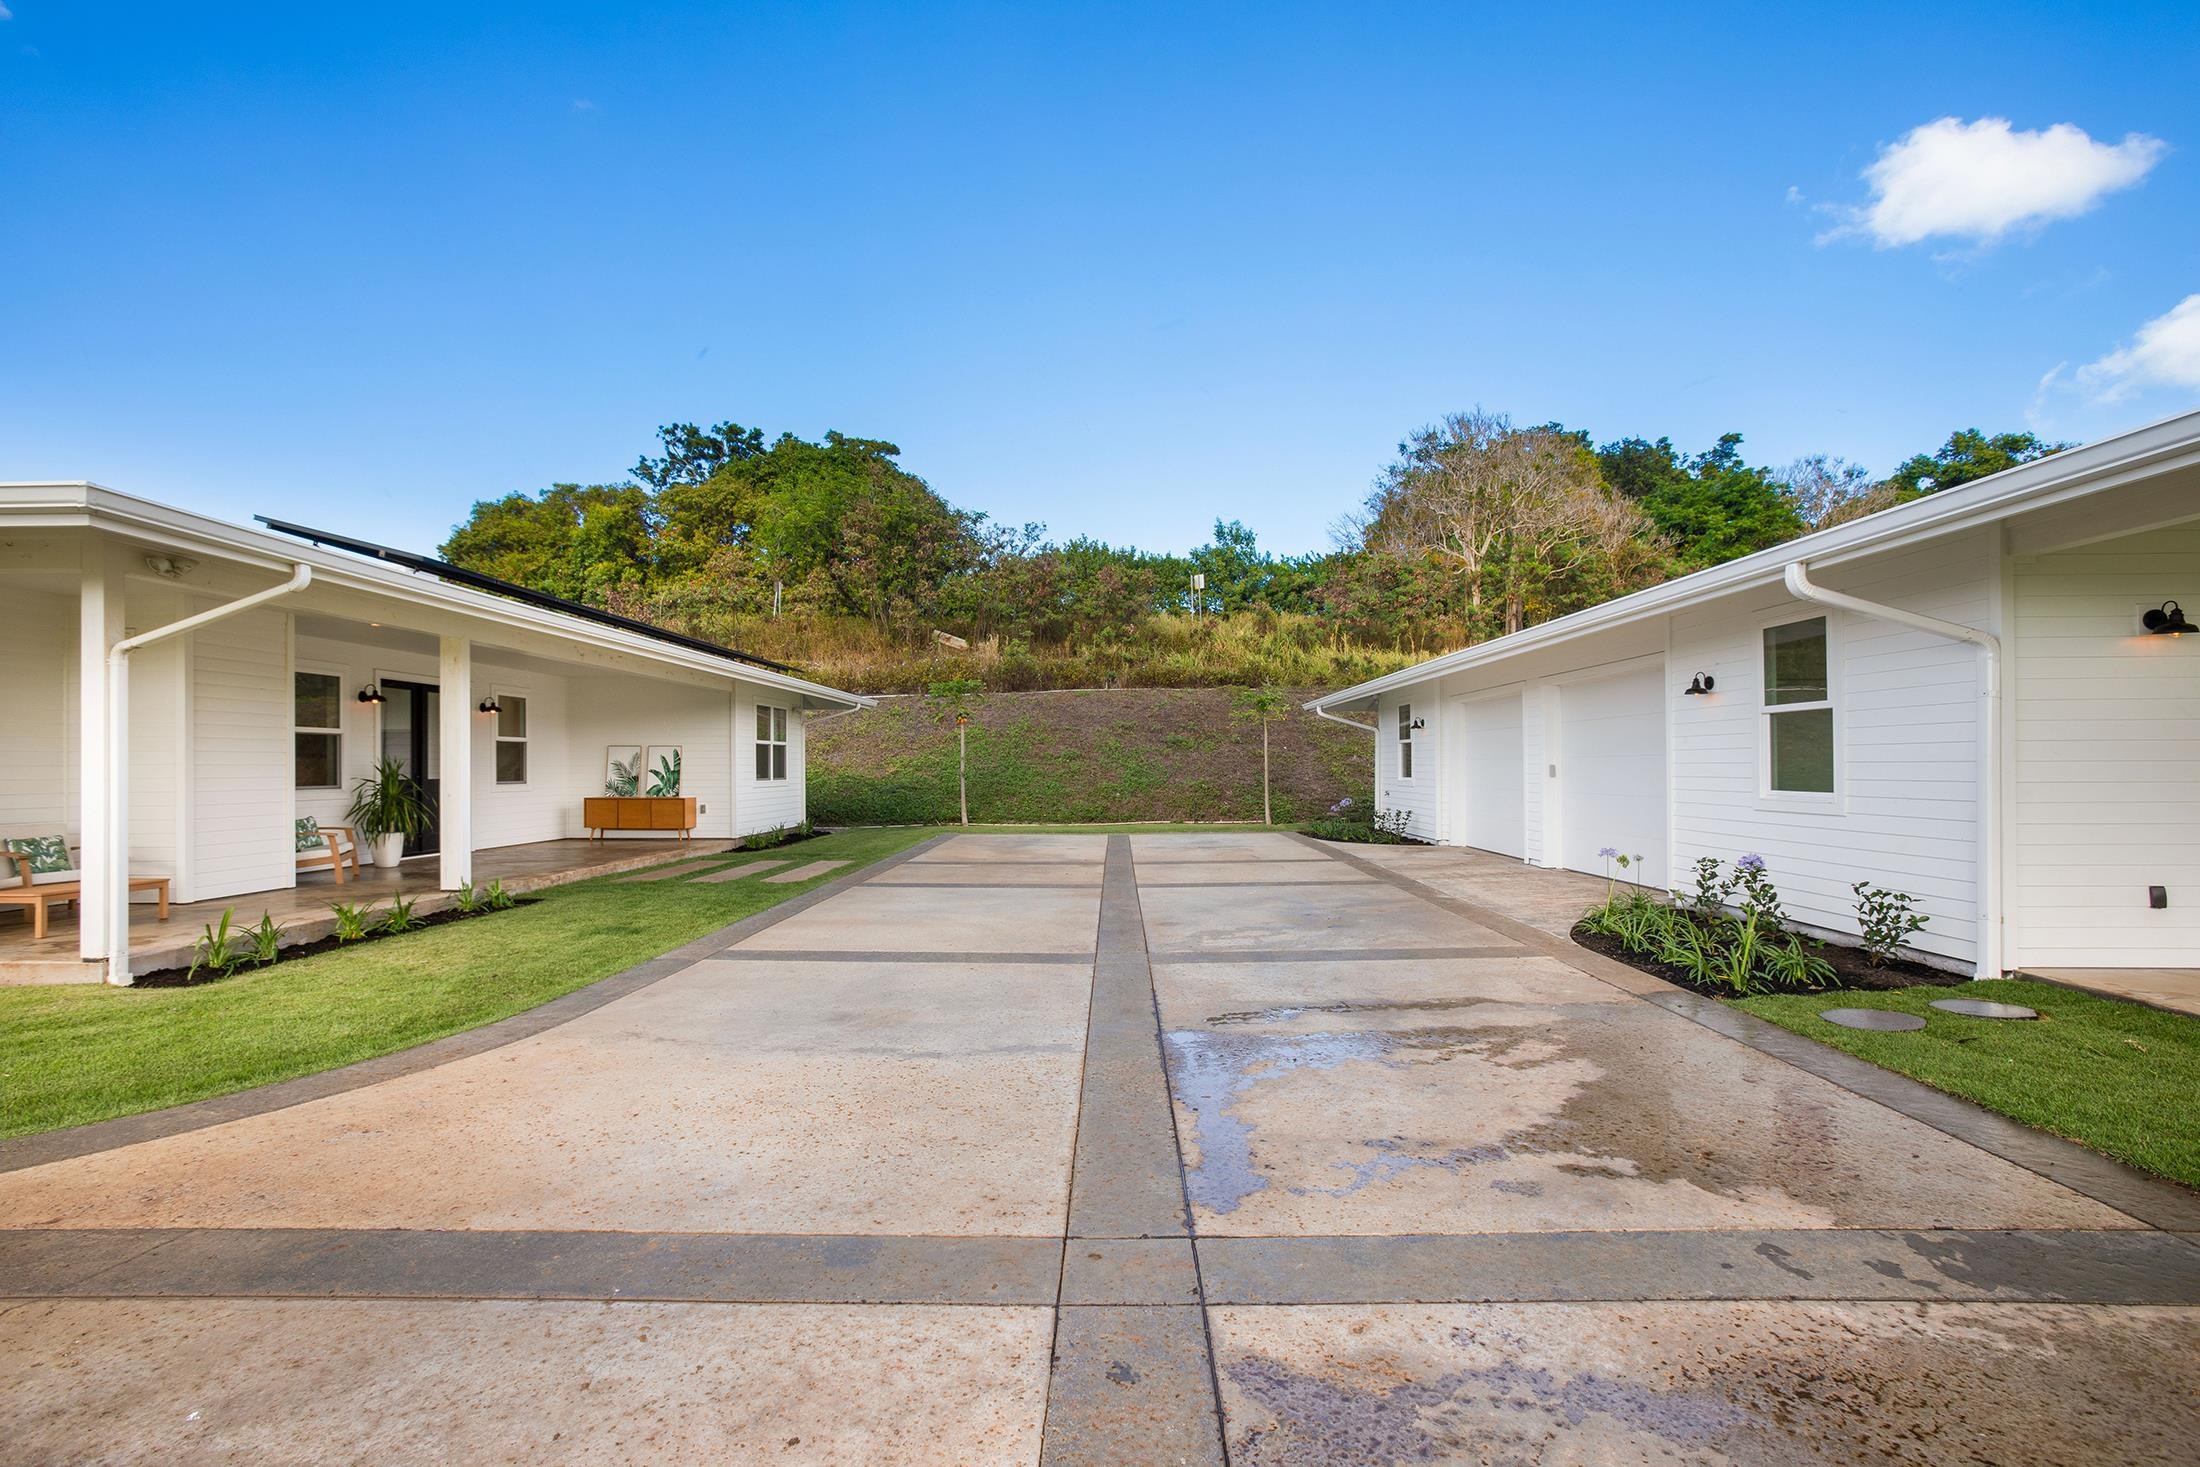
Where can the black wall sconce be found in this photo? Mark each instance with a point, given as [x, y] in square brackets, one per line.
[1703, 684]
[1418, 723]
[490, 705]
[371, 694]
[2167, 620]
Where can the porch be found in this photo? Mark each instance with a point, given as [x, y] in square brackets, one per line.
[303, 910]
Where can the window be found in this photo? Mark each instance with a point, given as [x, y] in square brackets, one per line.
[1798, 709]
[316, 717]
[771, 742]
[511, 738]
[1405, 741]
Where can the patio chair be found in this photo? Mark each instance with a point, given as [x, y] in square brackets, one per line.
[40, 872]
[327, 845]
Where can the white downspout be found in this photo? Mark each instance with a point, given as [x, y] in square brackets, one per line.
[117, 915]
[1802, 588]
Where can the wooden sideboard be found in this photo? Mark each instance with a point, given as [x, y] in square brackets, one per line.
[638, 812]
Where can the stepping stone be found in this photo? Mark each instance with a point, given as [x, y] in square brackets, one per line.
[1886, 1020]
[735, 873]
[804, 873]
[659, 873]
[1983, 1008]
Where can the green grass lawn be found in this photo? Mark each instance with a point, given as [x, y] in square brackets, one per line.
[2119, 1077]
[76, 1053]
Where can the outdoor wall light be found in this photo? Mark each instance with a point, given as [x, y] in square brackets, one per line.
[1418, 723]
[371, 694]
[2167, 620]
[490, 705]
[1702, 685]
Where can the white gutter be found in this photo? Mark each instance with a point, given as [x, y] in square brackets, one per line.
[117, 854]
[1801, 587]
[1320, 712]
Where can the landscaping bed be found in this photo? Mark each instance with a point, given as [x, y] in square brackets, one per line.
[193, 976]
[1852, 967]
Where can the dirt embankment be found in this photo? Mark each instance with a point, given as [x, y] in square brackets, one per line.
[1097, 754]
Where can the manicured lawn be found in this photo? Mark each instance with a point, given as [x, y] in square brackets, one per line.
[77, 1053]
[2116, 1076]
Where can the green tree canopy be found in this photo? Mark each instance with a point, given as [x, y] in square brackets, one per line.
[1968, 454]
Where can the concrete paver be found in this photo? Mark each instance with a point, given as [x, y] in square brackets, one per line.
[742, 872]
[1257, 918]
[831, 1098]
[1478, 1096]
[1436, 1186]
[257, 1381]
[1747, 1384]
[913, 919]
[809, 872]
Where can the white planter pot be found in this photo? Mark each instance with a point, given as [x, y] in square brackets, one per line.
[388, 850]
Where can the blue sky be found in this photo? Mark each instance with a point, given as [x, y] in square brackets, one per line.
[1123, 270]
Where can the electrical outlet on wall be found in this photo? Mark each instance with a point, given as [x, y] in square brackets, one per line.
[701, 808]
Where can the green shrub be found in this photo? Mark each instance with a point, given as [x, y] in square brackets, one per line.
[351, 919]
[1744, 954]
[400, 916]
[220, 949]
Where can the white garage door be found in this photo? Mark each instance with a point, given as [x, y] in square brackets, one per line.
[1611, 771]
[1487, 784]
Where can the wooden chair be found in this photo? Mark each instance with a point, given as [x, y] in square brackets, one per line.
[321, 845]
[41, 891]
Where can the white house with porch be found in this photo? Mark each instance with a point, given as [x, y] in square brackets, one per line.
[1985, 698]
[179, 694]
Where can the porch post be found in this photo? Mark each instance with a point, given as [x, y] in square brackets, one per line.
[101, 750]
[455, 741]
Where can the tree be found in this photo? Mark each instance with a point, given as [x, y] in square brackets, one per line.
[1713, 507]
[1264, 705]
[1968, 454]
[1515, 511]
[955, 699]
[693, 456]
[1236, 569]
[1824, 489]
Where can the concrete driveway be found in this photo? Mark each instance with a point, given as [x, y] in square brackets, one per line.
[1106, 1149]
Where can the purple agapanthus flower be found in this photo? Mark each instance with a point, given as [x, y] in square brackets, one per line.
[1750, 863]
[1607, 853]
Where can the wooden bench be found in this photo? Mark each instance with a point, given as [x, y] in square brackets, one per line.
[56, 893]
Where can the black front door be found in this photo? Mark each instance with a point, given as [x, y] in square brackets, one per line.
[410, 718]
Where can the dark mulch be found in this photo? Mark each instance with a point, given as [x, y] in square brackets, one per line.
[184, 978]
[1852, 967]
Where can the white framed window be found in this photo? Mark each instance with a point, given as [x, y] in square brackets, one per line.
[1799, 756]
[771, 742]
[317, 728]
[511, 738]
[1405, 741]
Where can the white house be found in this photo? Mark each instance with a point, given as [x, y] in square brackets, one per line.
[1975, 698]
[177, 692]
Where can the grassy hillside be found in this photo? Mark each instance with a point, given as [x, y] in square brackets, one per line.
[1096, 754]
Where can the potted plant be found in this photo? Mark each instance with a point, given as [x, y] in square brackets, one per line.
[386, 809]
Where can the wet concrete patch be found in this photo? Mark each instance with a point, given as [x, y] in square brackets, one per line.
[1734, 1383]
[255, 1381]
[1413, 1115]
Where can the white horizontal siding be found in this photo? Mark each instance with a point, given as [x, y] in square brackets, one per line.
[767, 804]
[38, 729]
[1908, 742]
[615, 709]
[2106, 768]
[241, 756]
[1420, 797]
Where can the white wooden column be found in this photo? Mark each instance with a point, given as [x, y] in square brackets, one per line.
[99, 742]
[455, 746]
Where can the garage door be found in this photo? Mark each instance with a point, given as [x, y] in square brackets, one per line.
[1611, 771]
[1488, 776]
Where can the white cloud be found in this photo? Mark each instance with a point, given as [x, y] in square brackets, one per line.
[1980, 180]
[2164, 353]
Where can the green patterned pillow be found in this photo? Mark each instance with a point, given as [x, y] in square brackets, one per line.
[46, 853]
[309, 835]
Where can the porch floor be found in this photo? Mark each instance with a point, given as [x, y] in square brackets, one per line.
[303, 910]
[2175, 989]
